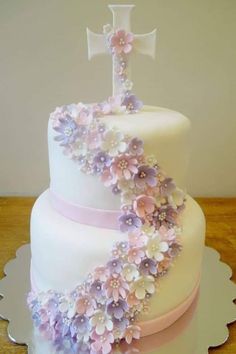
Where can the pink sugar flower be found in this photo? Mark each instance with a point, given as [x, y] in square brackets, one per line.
[102, 343]
[132, 300]
[144, 205]
[94, 139]
[101, 273]
[137, 238]
[84, 115]
[135, 255]
[85, 305]
[115, 287]
[108, 178]
[132, 332]
[124, 166]
[121, 42]
[166, 234]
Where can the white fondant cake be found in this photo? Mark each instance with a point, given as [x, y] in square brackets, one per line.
[116, 243]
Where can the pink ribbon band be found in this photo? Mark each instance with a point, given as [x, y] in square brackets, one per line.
[107, 219]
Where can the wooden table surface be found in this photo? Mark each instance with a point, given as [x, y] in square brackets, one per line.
[221, 234]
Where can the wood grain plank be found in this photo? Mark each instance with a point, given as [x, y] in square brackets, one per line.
[221, 234]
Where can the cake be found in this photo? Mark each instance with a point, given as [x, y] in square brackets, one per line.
[116, 241]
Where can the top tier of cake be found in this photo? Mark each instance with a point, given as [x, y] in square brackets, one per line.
[165, 134]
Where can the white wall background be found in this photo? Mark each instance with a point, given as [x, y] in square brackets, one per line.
[43, 63]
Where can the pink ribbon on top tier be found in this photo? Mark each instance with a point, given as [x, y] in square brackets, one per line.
[107, 219]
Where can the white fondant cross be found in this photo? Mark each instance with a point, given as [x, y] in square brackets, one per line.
[143, 43]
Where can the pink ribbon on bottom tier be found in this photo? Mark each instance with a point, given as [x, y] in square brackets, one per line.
[102, 218]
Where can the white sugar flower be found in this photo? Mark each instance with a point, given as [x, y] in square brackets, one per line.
[68, 305]
[80, 149]
[148, 229]
[130, 272]
[156, 248]
[114, 142]
[101, 321]
[143, 285]
[151, 160]
[176, 198]
[128, 85]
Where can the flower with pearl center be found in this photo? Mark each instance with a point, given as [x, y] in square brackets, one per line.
[144, 205]
[68, 131]
[102, 343]
[115, 287]
[114, 143]
[121, 42]
[146, 176]
[101, 321]
[142, 286]
[85, 305]
[124, 166]
[135, 255]
[156, 248]
[129, 222]
[132, 332]
[130, 272]
[117, 309]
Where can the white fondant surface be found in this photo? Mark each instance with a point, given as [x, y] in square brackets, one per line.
[63, 252]
[165, 134]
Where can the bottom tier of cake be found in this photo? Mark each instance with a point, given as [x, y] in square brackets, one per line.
[64, 251]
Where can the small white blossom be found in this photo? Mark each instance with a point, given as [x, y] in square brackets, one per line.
[128, 85]
[130, 272]
[101, 321]
[156, 247]
[176, 198]
[143, 285]
[114, 142]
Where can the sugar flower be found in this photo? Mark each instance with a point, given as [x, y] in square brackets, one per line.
[124, 166]
[101, 321]
[108, 178]
[85, 305]
[176, 199]
[166, 187]
[146, 176]
[68, 131]
[113, 105]
[115, 287]
[132, 300]
[84, 115]
[68, 306]
[114, 266]
[96, 289]
[136, 146]
[132, 332]
[144, 205]
[132, 104]
[130, 272]
[174, 249]
[114, 143]
[165, 215]
[148, 266]
[102, 159]
[101, 273]
[143, 285]
[117, 309]
[79, 327]
[121, 324]
[156, 248]
[127, 85]
[137, 238]
[135, 255]
[102, 343]
[129, 222]
[121, 42]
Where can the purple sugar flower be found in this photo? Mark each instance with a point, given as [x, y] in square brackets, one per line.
[102, 160]
[117, 308]
[121, 323]
[96, 289]
[136, 146]
[68, 130]
[114, 265]
[80, 325]
[129, 222]
[132, 104]
[165, 215]
[166, 187]
[174, 249]
[148, 266]
[62, 326]
[146, 176]
[120, 249]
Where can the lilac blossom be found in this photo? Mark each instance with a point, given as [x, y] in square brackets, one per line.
[166, 215]
[102, 160]
[68, 131]
[120, 323]
[148, 266]
[132, 104]
[146, 176]
[129, 222]
[166, 187]
[117, 309]
[80, 325]
[96, 289]
[136, 146]
[114, 265]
